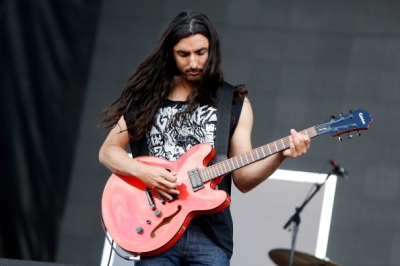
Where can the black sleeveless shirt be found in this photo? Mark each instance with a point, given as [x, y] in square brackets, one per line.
[172, 142]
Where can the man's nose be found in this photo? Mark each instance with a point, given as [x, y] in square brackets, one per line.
[193, 61]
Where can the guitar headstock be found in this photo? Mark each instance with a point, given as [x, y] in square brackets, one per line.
[344, 124]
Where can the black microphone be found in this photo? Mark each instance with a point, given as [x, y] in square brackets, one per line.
[339, 170]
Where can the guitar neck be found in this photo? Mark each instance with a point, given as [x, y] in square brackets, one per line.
[237, 162]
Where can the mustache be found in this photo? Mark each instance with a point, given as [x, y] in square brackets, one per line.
[194, 70]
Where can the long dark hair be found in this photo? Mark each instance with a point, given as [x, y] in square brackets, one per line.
[153, 80]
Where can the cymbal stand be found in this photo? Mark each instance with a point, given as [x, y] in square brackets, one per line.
[295, 219]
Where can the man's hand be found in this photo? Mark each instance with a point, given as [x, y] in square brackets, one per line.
[299, 144]
[158, 179]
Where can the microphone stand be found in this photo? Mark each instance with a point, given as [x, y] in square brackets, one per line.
[295, 219]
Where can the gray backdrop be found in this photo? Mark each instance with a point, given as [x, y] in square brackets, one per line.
[302, 62]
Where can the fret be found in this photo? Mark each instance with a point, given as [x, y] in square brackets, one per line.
[278, 145]
[203, 173]
[251, 154]
[212, 172]
[237, 162]
[201, 176]
[233, 163]
[230, 165]
[224, 167]
[242, 160]
[283, 144]
[220, 169]
[217, 169]
[204, 177]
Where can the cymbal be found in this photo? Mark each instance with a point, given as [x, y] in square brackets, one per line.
[282, 258]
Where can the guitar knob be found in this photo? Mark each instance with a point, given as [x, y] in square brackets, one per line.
[139, 230]
[157, 213]
[340, 138]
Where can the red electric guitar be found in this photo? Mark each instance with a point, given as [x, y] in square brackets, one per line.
[144, 223]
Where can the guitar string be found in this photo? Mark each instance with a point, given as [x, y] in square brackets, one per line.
[228, 166]
[239, 161]
[220, 169]
[155, 194]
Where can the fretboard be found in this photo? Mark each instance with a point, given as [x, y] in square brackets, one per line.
[237, 162]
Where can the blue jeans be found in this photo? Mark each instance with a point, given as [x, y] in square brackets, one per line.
[193, 248]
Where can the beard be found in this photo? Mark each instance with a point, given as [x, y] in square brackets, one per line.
[195, 79]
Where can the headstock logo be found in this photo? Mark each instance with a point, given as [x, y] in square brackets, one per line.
[362, 118]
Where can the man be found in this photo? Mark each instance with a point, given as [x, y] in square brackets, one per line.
[169, 105]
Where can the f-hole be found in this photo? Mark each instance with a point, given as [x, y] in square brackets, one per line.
[165, 221]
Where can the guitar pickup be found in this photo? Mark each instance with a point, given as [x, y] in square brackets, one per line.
[195, 179]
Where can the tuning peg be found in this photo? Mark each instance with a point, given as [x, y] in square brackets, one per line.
[340, 138]
[350, 111]
[341, 114]
[333, 117]
[349, 136]
[358, 133]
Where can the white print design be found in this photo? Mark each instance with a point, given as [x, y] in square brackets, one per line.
[172, 142]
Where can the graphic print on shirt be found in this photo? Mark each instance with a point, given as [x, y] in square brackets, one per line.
[172, 142]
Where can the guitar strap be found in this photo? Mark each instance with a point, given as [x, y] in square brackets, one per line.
[223, 122]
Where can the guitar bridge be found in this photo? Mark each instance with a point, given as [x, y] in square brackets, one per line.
[195, 179]
[174, 197]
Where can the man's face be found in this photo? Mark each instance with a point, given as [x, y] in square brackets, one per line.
[191, 54]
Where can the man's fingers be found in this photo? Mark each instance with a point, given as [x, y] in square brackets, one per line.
[299, 143]
[167, 193]
[170, 177]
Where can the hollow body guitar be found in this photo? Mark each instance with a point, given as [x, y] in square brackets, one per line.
[144, 223]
